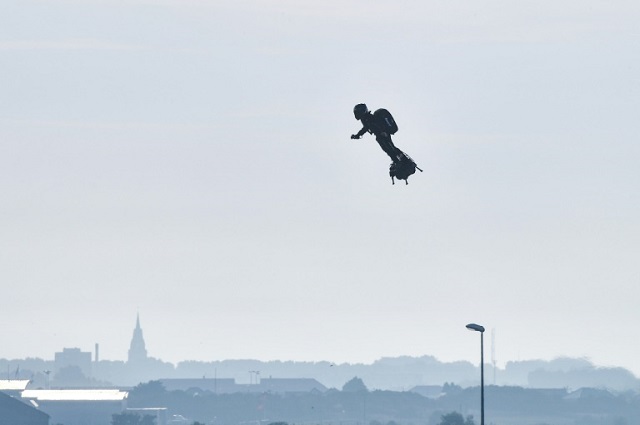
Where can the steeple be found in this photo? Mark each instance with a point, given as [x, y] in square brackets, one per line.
[137, 350]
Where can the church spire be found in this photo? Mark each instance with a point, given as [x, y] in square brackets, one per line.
[137, 350]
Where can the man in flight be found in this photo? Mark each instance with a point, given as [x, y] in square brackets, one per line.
[380, 126]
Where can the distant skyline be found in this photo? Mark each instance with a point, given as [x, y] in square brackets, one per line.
[191, 161]
[137, 353]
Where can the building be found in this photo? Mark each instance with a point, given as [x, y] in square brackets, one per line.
[13, 387]
[429, 391]
[78, 407]
[15, 412]
[137, 349]
[159, 414]
[73, 357]
[229, 386]
[290, 385]
[216, 386]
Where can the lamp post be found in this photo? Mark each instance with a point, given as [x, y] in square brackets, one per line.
[478, 328]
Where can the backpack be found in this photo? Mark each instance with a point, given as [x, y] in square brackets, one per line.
[385, 121]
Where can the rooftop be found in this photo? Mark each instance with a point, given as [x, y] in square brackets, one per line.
[13, 384]
[75, 395]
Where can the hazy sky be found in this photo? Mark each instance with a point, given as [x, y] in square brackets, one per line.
[191, 161]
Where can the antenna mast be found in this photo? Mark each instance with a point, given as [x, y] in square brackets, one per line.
[493, 353]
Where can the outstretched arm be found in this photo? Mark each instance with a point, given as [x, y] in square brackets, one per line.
[359, 133]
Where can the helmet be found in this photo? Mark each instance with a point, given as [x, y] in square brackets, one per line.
[360, 110]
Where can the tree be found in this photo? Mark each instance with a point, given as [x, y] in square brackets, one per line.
[147, 394]
[455, 418]
[70, 376]
[151, 388]
[355, 385]
[451, 388]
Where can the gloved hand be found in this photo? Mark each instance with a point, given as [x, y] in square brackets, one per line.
[355, 136]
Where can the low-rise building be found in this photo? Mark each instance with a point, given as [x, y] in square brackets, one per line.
[13, 387]
[78, 407]
[159, 414]
[229, 386]
[73, 357]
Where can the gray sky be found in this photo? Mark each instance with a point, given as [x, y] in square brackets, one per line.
[191, 161]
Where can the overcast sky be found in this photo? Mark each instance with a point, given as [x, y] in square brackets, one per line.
[191, 161]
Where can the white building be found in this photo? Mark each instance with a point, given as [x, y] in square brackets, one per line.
[78, 407]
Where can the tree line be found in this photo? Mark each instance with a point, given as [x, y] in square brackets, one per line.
[356, 405]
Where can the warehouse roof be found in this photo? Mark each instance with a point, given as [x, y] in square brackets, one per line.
[75, 395]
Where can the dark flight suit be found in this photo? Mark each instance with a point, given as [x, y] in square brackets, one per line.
[383, 138]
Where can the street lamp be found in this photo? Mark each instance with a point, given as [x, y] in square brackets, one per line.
[253, 373]
[478, 328]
